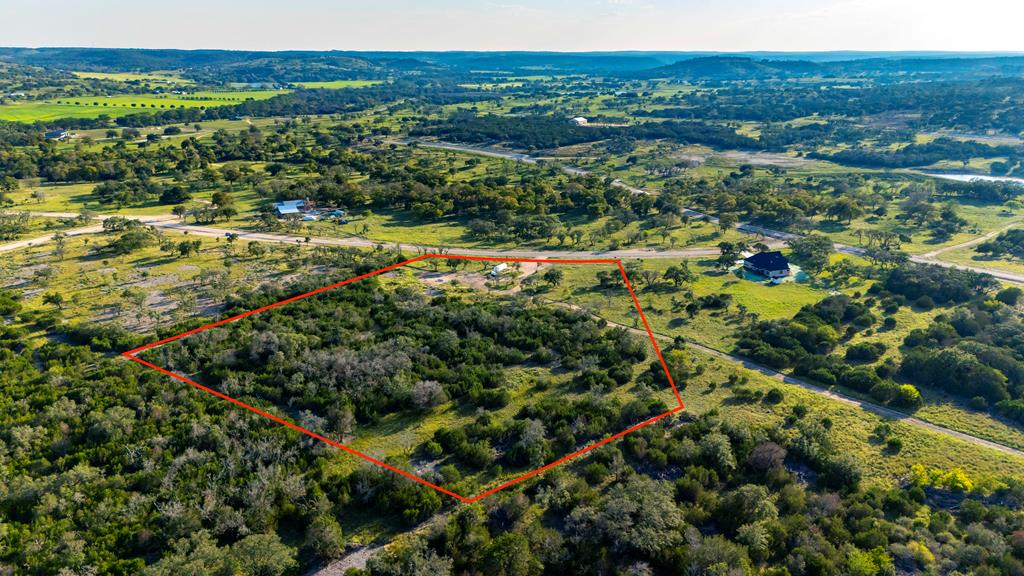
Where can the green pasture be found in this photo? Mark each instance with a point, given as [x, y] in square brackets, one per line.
[339, 84]
[170, 77]
[124, 104]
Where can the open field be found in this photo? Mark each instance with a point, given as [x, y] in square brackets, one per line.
[121, 105]
[981, 219]
[140, 291]
[146, 77]
[664, 303]
[339, 84]
[857, 438]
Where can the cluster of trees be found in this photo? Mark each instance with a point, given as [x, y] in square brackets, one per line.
[147, 456]
[921, 154]
[1009, 243]
[976, 105]
[714, 497]
[805, 343]
[300, 102]
[972, 351]
[351, 357]
[530, 205]
[534, 132]
[13, 224]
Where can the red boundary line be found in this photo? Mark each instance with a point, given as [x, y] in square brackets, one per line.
[131, 354]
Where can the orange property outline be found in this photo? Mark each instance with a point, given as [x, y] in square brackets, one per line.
[131, 354]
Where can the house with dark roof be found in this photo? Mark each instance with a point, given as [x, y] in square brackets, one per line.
[768, 264]
[57, 135]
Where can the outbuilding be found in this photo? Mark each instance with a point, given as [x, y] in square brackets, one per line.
[768, 264]
[290, 207]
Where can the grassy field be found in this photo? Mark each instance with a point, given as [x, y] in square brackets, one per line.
[122, 105]
[969, 257]
[981, 219]
[166, 77]
[74, 198]
[854, 427]
[141, 290]
[339, 84]
[34, 227]
[663, 303]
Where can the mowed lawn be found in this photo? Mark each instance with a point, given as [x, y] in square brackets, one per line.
[663, 304]
[114, 106]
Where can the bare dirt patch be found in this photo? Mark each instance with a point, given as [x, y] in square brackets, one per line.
[766, 159]
[507, 282]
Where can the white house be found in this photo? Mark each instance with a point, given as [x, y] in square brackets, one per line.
[579, 121]
[497, 270]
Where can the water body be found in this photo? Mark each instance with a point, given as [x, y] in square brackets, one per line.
[963, 177]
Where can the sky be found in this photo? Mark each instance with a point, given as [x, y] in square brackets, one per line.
[559, 25]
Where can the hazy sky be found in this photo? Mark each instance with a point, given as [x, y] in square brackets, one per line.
[720, 25]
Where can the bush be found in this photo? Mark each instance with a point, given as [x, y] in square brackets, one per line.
[433, 449]
[925, 303]
[865, 351]
[823, 376]
[908, 397]
[774, 396]
[979, 403]
[1009, 296]
[595, 473]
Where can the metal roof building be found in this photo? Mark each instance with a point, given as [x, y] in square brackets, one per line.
[289, 207]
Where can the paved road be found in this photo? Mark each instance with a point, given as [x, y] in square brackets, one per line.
[849, 400]
[49, 237]
[153, 220]
[760, 231]
[171, 223]
[168, 222]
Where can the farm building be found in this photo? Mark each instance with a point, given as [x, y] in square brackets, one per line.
[56, 134]
[767, 264]
[497, 270]
[579, 121]
[290, 208]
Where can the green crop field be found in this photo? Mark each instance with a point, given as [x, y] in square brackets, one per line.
[123, 105]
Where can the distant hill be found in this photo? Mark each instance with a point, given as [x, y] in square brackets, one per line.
[294, 66]
[723, 68]
[221, 65]
[732, 68]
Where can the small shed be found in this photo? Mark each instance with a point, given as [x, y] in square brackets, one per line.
[290, 207]
[768, 264]
[580, 121]
[497, 270]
